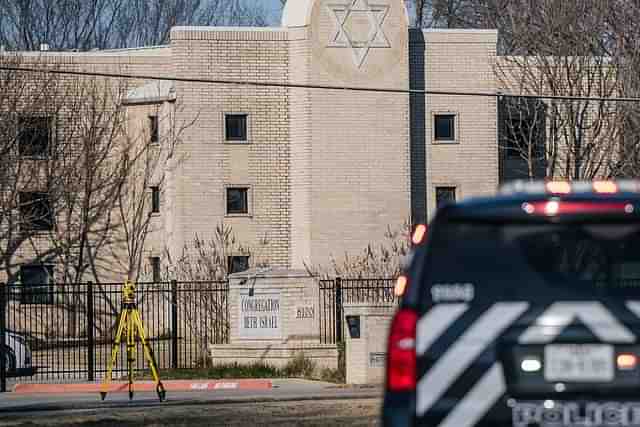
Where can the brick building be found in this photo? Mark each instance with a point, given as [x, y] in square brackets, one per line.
[314, 172]
[323, 172]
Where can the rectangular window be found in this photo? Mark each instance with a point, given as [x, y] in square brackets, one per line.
[34, 135]
[155, 199]
[444, 127]
[237, 201]
[155, 269]
[154, 129]
[35, 211]
[445, 195]
[235, 127]
[237, 264]
[37, 284]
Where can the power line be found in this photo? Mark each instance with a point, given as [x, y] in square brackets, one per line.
[320, 87]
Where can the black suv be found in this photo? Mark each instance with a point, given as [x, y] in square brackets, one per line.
[522, 310]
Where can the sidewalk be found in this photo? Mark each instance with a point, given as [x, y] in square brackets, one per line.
[61, 398]
[145, 386]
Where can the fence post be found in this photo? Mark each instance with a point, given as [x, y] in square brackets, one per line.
[174, 324]
[91, 359]
[338, 310]
[3, 333]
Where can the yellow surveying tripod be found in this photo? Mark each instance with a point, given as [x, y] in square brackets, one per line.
[131, 323]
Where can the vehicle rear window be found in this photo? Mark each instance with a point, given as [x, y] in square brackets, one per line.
[535, 261]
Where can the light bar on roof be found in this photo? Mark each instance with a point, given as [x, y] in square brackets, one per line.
[605, 187]
[558, 187]
[570, 187]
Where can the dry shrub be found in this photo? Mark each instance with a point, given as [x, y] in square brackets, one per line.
[378, 260]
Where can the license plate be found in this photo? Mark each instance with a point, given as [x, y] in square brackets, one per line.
[578, 362]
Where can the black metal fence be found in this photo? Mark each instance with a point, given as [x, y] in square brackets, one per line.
[69, 328]
[336, 292]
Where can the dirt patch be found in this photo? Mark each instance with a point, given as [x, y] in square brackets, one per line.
[357, 412]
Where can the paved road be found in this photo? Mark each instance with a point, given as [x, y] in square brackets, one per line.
[291, 402]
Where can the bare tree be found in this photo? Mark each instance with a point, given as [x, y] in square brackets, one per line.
[624, 38]
[522, 138]
[102, 24]
[569, 55]
[381, 260]
[29, 104]
[151, 158]
[64, 139]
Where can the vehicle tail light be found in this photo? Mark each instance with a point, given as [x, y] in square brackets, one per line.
[401, 285]
[626, 361]
[401, 356]
[419, 233]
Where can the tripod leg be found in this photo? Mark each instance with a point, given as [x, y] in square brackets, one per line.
[131, 348]
[114, 353]
[149, 355]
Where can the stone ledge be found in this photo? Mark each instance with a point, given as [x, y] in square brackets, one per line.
[230, 33]
[278, 355]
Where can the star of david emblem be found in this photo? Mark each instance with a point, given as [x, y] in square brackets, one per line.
[359, 28]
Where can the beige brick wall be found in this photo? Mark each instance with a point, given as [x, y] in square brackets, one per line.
[462, 60]
[360, 140]
[209, 164]
[300, 58]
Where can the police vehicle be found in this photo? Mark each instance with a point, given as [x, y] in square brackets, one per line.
[17, 355]
[521, 310]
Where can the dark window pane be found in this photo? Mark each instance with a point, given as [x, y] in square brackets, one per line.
[153, 129]
[523, 127]
[237, 201]
[155, 199]
[33, 136]
[575, 261]
[155, 269]
[36, 284]
[445, 195]
[236, 127]
[36, 212]
[444, 127]
[237, 264]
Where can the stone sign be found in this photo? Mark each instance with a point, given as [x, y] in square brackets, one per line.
[260, 315]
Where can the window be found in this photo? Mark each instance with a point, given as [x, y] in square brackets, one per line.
[237, 264]
[34, 136]
[444, 127]
[154, 129]
[155, 269]
[445, 195]
[235, 127]
[155, 199]
[523, 127]
[35, 211]
[237, 201]
[36, 282]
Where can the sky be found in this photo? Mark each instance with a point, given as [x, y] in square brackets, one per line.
[273, 6]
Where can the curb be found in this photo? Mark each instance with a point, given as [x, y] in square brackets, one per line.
[143, 386]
